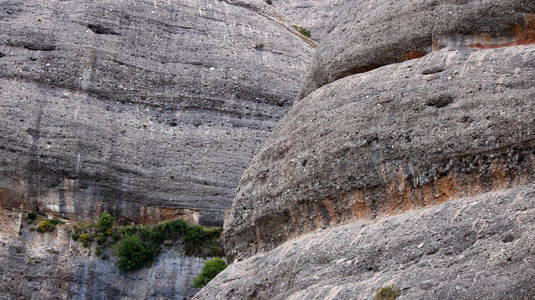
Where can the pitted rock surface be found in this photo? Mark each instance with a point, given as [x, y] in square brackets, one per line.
[138, 106]
[473, 248]
[410, 135]
[316, 16]
[369, 34]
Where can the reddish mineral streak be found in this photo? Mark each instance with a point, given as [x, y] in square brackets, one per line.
[396, 197]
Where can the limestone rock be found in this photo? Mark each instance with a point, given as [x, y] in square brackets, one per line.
[316, 16]
[370, 34]
[473, 248]
[454, 123]
[138, 108]
[52, 266]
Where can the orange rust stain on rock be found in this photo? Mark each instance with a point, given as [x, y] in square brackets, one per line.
[317, 217]
[523, 34]
[258, 242]
[500, 178]
[155, 214]
[413, 54]
[360, 208]
[332, 213]
[292, 217]
[434, 45]
[473, 185]
[447, 188]
[428, 194]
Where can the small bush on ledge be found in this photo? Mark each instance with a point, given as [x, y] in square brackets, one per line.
[387, 293]
[209, 271]
[46, 226]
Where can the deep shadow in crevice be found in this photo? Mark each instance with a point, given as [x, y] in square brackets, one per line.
[99, 29]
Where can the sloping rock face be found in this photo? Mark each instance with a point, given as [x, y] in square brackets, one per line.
[53, 266]
[143, 108]
[315, 16]
[370, 34]
[454, 123]
[474, 248]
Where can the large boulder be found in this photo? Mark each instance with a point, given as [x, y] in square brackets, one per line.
[370, 34]
[147, 109]
[455, 123]
[474, 248]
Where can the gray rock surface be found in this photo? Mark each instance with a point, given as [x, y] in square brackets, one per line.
[369, 34]
[53, 266]
[315, 16]
[454, 123]
[138, 106]
[474, 248]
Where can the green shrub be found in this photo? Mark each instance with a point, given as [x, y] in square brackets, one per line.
[56, 222]
[75, 236]
[302, 30]
[86, 239]
[31, 215]
[101, 238]
[133, 253]
[387, 293]
[45, 226]
[105, 222]
[32, 228]
[209, 271]
[98, 251]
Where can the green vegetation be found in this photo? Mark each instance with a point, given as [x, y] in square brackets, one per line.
[387, 293]
[259, 46]
[46, 226]
[133, 253]
[140, 244]
[31, 215]
[303, 31]
[86, 239]
[209, 271]
[101, 238]
[105, 223]
[137, 245]
[56, 222]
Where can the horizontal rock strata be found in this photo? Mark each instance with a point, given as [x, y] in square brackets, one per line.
[371, 34]
[130, 107]
[473, 248]
[455, 123]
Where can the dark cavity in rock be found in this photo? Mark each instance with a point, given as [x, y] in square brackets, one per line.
[99, 29]
[440, 101]
[38, 46]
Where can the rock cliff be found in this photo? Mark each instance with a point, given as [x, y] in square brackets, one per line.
[407, 105]
[473, 248]
[141, 108]
[52, 266]
[451, 124]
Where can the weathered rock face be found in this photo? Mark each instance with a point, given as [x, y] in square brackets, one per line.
[141, 108]
[53, 266]
[452, 124]
[315, 16]
[370, 34]
[474, 248]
